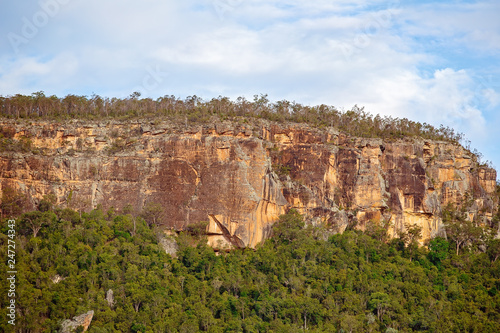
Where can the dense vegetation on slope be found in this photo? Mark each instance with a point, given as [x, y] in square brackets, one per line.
[298, 280]
[356, 122]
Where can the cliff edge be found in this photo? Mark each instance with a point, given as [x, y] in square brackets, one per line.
[240, 177]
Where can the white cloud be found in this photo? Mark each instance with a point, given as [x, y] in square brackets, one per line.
[30, 74]
[471, 25]
[448, 98]
[374, 53]
[492, 97]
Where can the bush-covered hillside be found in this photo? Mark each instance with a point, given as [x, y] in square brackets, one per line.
[299, 280]
[356, 122]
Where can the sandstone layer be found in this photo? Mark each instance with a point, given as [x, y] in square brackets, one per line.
[240, 177]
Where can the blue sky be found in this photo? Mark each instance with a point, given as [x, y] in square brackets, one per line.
[430, 61]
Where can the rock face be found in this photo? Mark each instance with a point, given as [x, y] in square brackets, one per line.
[110, 298]
[169, 244]
[82, 320]
[241, 178]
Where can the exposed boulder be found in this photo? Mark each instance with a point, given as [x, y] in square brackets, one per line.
[72, 325]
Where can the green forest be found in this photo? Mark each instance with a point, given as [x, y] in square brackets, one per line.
[301, 279]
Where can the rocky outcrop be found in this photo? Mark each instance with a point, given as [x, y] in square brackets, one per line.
[57, 278]
[406, 182]
[169, 244]
[110, 299]
[83, 320]
[240, 178]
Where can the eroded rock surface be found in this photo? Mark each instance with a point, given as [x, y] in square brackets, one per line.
[241, 178]
[83, 320]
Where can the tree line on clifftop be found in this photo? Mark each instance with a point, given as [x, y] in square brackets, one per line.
[301, 279]
[193, 109]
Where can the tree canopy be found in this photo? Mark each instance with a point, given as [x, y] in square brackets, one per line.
[299, 280]
[356, 122]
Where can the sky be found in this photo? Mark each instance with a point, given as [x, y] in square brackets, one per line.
[429, 61]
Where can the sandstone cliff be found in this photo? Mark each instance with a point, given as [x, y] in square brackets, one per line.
[241, 177]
